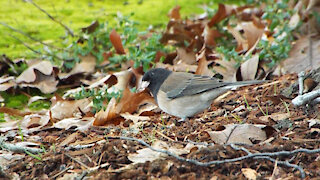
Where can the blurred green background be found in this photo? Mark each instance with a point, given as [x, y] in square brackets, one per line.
[76, 14]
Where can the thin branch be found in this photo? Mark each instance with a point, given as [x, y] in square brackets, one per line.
[28, 36]
[52, 18]
[18, 149]
[26, 45]
[266, 155]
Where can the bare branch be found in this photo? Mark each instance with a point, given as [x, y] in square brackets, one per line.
[30, 37]
[266, 155]
[52, 18]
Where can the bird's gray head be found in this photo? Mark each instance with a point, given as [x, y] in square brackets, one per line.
[154, 79]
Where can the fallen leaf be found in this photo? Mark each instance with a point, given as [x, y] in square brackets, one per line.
[203, 65]
[81, 124]
[185, 57]
[91, 28]
[129, 103]
[275, 117]
[116, 42]
[174, 13]
[62, 109]
[7, 83]
[249, 68]
[238, 133]
[298, 60]
[227, 69]
[210, 35]
[45, 83]
[313, 122]
[34, 99]
[29, 75]
[85, 66]
[249, 173]
[223, 12]
[71, 138]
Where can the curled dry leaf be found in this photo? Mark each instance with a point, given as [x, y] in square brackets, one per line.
[29, 75]
[175, 13]
[146, 154]
[249, 173]
[223, 12]
[128, 103]
[6, 83]
[116, 42]
[86, 66]
[184, 56]
[275, 117]
[248, 69]
[227, 69]
[298, 56]
[203, 65]
[39, 75]
[61, 109]
[34, 122]
[210, 35]
[181, 67]
[82, 124]
[238, 133]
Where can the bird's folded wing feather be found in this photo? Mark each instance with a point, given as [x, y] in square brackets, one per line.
[189, 84]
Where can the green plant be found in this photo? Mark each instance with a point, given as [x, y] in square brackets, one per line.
[38, 157]
[99, 96]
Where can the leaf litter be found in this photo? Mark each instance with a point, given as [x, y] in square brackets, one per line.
[78, 140]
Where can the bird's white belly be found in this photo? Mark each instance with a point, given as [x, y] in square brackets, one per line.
[183, 107]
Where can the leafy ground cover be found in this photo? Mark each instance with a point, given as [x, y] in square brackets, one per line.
[99, 124]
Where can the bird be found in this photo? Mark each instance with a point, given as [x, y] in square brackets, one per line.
[183, 94]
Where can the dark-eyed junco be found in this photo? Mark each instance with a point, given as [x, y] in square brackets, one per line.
[184, 94]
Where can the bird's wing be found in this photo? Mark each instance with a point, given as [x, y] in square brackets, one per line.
[189, 84]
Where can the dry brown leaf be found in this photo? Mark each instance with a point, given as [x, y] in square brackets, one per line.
[252, 33]
[82, 124]
[62, 109]
[185, 57]
[299, 59]
[223, 12]
[6, 83]
[249, 68]
[227, 69]
[103, 117]
[45, 83]
[238, 133]
[242, 43]
[129, 103]
[275, 117]
[182, 67]
[86, 66]
[174, 13]
[29, 75]
[71, 138]
[249, 173]
[210, 35]
[203, 65]
[116, 42]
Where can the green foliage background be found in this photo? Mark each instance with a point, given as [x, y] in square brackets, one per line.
[77, 14]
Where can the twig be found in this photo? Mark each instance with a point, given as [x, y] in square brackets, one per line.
[266, 155]
[305, 98]
[18, 149]
[61, 172]
[30, 37]
[26, 45]
[285, 163]
[76, 160]
[52, 18]
[301, 76]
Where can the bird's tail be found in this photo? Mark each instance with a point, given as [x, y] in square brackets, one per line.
[246, 83]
